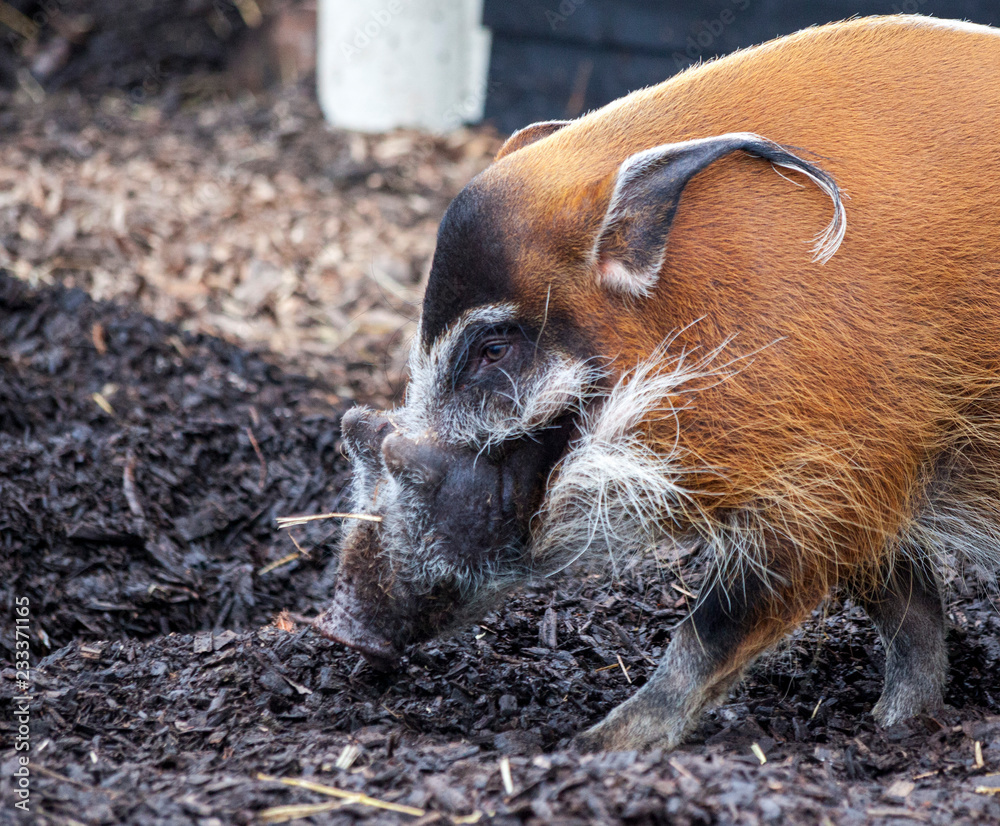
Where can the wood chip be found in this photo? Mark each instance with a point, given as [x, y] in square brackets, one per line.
[128, 486]
[92, 651]
[889, 811]
[250, 12]
[260, 456]
[900, 789]
[18, 22]
[97, 336]
[347, 757]
[283, 621]
[297, 686]
[103, 403]
[677, 767]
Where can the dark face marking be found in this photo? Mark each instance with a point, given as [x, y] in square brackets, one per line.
[478, 506]
[472, 262]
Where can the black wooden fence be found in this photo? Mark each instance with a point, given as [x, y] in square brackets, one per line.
[559, 58]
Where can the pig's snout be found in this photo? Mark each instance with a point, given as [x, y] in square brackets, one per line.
[347, 621]
[454, 523]
[362, 614]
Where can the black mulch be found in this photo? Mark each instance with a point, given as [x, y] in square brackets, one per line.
[140, 473]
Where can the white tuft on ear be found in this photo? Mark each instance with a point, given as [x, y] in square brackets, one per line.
[615, 276]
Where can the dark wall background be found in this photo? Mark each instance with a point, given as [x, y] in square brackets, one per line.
[560, 58]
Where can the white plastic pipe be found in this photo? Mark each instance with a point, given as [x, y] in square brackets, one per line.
[383, 64]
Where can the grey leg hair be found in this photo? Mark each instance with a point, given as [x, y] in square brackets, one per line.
[909, 616]
[727, 629]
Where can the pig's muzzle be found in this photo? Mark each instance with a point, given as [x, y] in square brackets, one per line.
[372, 610]
[345, 621]
[452, 516]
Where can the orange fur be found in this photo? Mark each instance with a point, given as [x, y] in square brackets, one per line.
[866, 367]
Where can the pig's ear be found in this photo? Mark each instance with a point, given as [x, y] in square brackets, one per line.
[530, 134]
[631, 244]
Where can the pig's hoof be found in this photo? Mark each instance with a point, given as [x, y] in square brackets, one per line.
[589, 741]
[631, 729]
[603, 737]
[896, 706]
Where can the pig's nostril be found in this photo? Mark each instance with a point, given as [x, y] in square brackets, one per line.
[351, 422]
[416, 462]
[363, 430]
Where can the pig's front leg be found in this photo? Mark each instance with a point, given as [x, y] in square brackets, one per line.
[728, 628]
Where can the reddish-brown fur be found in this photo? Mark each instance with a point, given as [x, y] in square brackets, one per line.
[866, 368]
[863, 361]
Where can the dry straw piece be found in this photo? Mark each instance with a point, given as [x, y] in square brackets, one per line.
[283, 814]
[505, 776]
[347, 797]
[294, 521]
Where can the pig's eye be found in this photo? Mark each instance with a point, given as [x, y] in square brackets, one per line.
[488, 358]
[493, 351]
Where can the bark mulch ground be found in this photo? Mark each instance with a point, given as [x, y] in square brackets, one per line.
[141, 469]
[251, 220]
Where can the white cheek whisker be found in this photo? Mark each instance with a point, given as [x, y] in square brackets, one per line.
[613, 492]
